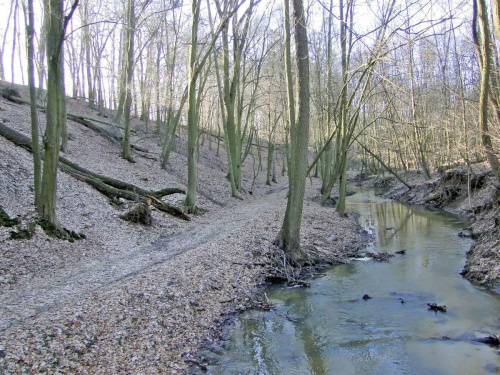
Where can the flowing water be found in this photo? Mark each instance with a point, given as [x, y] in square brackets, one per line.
[330, 329]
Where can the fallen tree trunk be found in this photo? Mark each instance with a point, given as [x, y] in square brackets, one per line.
[389, 169]
[112, 192]
[168, 208]
[106, 185]
[83, 120]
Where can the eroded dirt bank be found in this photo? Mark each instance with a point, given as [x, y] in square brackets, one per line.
[131, 298]
[470, 192]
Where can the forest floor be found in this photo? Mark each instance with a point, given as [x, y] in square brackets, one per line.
[131, 298]
[473, 193]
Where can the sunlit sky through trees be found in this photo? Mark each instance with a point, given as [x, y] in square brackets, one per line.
[422, 15]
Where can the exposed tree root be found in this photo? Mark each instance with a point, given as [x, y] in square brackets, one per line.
[281, 269]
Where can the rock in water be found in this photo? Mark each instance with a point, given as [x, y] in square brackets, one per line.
[435, 307]
[493, 340]
[366, 297]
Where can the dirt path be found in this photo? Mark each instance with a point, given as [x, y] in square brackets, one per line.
[133, 299]
[47, 293]
[148, 309]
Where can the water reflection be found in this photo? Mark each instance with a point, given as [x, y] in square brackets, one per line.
[329, 329]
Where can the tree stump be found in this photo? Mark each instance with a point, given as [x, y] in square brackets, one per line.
[140, 213]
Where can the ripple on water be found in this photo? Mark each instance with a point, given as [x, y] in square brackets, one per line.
[330, 329]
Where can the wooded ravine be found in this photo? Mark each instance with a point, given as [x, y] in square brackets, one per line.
[160, 160]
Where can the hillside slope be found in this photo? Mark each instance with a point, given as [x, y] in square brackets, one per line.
[132, 298]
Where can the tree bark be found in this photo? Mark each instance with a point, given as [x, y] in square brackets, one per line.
[192, 113]
[483, 49]
[129, 75]
[55, 30]
[289, 235]
[35, 141]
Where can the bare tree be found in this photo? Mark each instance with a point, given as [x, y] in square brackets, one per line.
[55, 112]
[289, 236]
[35, 141]
[482, 42]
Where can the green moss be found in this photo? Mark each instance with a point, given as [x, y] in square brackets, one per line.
[6, 221]
[59, 232]
[50, 230]
[20, 234]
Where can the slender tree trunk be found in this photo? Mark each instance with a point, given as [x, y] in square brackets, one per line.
[328, 157]
[270, 151]
[35, 141]
[129, 76]
[53, 12]
[14, 39]
[192, 113]
[234, 189]
[289, 236]
[123, 77]
[483, 48]
[64, 122]
[88, 58]
[42, 51]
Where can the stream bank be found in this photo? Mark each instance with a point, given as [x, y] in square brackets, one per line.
[472, 193]
[376, 316]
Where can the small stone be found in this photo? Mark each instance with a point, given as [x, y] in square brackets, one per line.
[333, 238]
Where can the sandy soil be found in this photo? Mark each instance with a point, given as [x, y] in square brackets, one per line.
[131, 298]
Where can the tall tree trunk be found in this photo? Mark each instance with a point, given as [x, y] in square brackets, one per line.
[289, 236]
[122, 86]
[64, 122]
[483, 49]
[328, 157]
[54, 14]
[229, 92]
[192, 113]
[88, 59]
[129, 76]
[55, 112]
[35, 141]
[14, 38]
[234, 189]
[42, 51]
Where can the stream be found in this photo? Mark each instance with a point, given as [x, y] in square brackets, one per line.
[329, 329]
